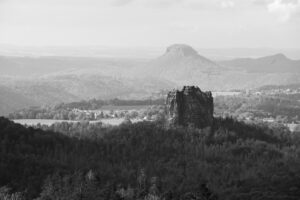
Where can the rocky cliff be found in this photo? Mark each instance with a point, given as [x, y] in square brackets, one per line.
[190, 107]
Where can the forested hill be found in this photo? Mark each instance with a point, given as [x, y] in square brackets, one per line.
[230, 161]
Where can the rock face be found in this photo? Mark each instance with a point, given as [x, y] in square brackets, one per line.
[190, 107]
[181, 50]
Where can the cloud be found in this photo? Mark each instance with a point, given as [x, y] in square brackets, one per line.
[120, 2]
[227, 4]
[155, 3]
[284, 9]
[261, 2]
[196, 4]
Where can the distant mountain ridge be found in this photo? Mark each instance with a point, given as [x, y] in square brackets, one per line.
[44, 80]
[277, 63]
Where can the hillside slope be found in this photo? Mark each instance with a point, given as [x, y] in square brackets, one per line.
[20, 93]
[11, 100]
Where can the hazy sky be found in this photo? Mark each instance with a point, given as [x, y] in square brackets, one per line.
[201, 23]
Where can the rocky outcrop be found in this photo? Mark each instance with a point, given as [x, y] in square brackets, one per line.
[189, 107]
[181, 50]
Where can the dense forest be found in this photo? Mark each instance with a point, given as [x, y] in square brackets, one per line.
[231, 160]
[284, 107]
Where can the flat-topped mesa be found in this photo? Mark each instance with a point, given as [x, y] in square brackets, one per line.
[181, 50]
[190, 107]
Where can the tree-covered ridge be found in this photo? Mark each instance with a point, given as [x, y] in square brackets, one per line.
[94, 109]
[284, 108]
[94, 104]
[281, 107]
[231, 160]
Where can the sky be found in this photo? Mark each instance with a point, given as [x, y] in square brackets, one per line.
[200, 23]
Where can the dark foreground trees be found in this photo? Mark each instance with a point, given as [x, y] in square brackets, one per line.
[231, 160]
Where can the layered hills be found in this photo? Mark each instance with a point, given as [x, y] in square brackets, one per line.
[50, 80]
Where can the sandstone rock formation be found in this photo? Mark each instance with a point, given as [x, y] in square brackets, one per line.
[190, 107]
